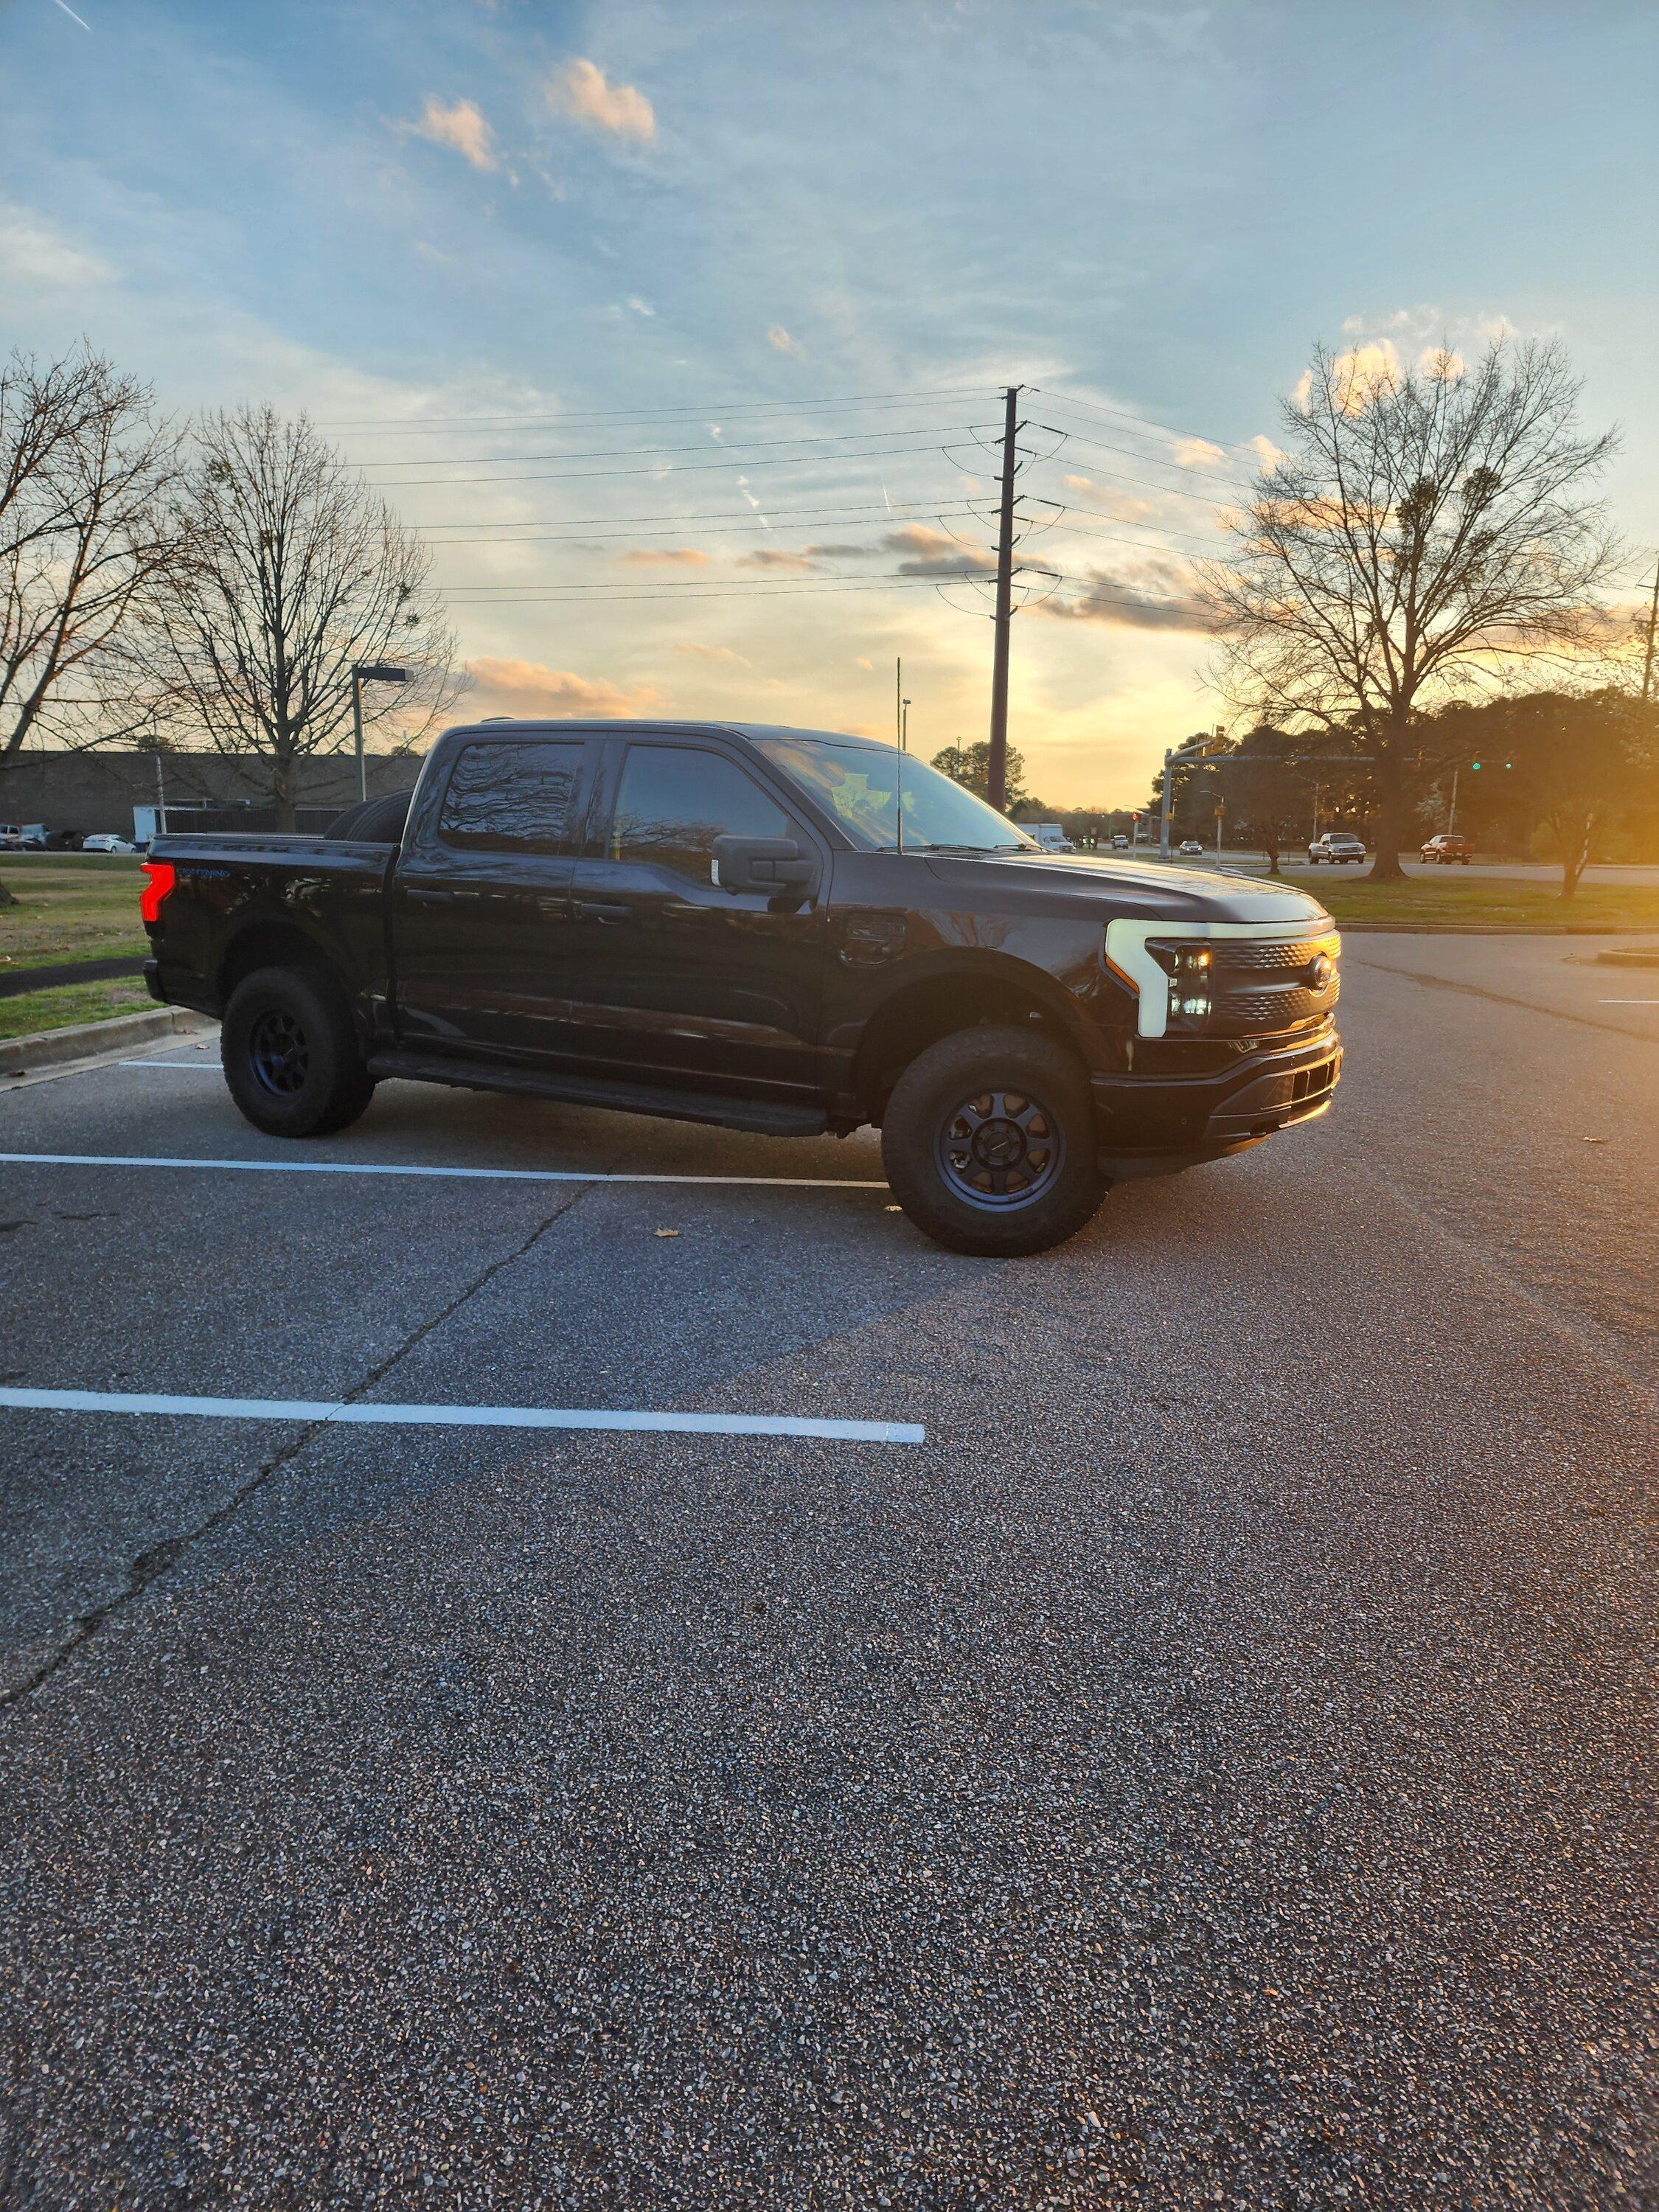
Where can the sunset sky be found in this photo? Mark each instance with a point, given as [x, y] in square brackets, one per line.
[679, 328]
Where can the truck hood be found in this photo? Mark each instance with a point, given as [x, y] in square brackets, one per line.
[1138, 885]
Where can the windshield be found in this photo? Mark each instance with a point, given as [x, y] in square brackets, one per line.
[858, 784]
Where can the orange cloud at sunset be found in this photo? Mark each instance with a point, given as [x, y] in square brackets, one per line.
[526, 688]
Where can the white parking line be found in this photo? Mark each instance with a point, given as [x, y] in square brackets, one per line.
[1628, 1002]
[461, 1417]
[177, 1066]
[375, 1168]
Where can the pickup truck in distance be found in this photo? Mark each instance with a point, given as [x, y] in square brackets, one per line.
[738, 925]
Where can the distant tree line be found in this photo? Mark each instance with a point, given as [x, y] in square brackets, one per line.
[1558, 775]
[211, 581]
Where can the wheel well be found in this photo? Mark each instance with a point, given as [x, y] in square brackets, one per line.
[266, 945]
[905, 1026]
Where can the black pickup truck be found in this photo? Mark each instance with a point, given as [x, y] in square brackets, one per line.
[742, 925]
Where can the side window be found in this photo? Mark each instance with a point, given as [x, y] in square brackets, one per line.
[673, 803]
[510, 798]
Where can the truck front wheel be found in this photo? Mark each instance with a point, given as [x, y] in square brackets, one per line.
[988, 1140]
[290, 1054]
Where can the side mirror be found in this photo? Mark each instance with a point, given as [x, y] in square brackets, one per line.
[766, 864]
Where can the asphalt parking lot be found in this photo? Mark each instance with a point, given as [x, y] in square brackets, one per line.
[1159, 1724]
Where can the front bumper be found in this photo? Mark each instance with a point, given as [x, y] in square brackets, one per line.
[1153, 1125]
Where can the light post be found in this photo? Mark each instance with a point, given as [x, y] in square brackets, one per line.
[368, 671]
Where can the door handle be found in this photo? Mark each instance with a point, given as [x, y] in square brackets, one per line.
[603, 910]
[430, 898]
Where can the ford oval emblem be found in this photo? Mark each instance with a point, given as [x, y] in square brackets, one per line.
[1321, 969]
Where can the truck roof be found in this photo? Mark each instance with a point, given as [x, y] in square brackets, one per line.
[656, 725]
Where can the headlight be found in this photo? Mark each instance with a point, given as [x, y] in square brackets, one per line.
[1189, 967]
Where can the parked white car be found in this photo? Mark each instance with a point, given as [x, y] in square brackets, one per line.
[1190, 850]
[104, 840]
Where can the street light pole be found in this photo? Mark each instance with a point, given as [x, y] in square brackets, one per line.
[368, 671]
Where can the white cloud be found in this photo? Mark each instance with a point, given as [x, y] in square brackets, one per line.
[1119, 506]
[1440, 364]
[461, 128]
[714, 653]
[1197, 452]
[34, 251]
[780, 337]
[583, 93]
[1266, 452]
[526, 688]
[666, 556]
[639, 306]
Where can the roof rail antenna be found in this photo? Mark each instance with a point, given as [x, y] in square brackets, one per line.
[903, 731]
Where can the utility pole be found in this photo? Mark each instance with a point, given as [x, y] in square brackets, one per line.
[1653, 624]
[996, 778]
[898, 697]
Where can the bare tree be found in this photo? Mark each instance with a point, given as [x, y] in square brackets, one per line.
[1422, 531]
[295, 572]
[86, 530]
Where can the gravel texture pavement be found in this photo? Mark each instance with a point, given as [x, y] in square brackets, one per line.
[1208, 1772]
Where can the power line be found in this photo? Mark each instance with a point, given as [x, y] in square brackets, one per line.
[679, 468]
[930, 511]
[614, 452]
[673, 586]
[571, 594]
[1207, 476]
[733, 514]
[655, 414]
[1159, 429]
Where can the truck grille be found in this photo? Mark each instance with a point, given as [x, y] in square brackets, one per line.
[1263, 989]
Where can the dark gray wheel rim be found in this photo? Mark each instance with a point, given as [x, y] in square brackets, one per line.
[277, 1053]
[999, 1150]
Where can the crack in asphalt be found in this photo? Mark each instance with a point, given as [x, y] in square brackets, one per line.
[158, 1559]
[1496, 998]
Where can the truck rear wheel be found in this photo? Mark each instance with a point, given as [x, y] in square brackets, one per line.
[290, 1055]
[988, 1140]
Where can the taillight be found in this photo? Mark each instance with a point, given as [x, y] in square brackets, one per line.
[162, 877]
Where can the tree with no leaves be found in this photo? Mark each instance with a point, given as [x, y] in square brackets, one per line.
[1419, 527]
[295, 571]
[85, 532]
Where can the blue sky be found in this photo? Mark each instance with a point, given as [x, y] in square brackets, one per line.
[416, 219]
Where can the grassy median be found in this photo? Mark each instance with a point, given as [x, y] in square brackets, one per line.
[73, 1002]
[1483, 902]
[70, 906]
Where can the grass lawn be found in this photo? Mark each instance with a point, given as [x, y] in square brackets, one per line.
[70, 906]
[73, 1002]
[1489, 901]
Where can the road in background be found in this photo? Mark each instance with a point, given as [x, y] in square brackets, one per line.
[1297, 863]
[1207, 1770]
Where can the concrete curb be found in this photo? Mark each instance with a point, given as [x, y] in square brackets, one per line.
[1639, 955]
[24, 1055]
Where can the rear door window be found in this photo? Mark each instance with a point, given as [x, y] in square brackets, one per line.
[512, 796]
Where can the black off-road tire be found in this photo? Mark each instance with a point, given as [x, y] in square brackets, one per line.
[290, 1054]
[959, 1109]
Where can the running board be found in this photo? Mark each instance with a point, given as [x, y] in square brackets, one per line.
[759, 1114]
